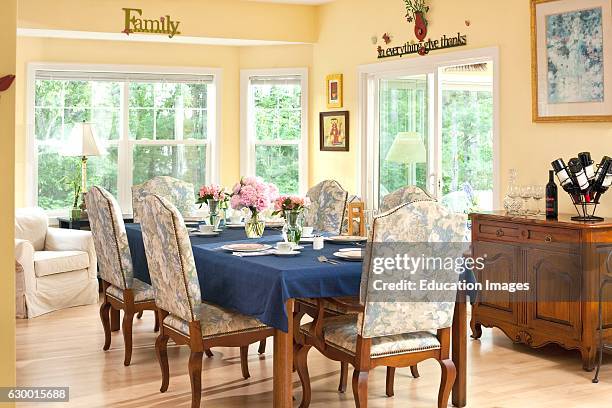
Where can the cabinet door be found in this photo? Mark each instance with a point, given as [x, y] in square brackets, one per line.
[554, 297]
[500, 266]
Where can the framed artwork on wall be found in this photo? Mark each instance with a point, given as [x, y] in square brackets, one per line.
[334, 131]
[571, 60]
[334, 91]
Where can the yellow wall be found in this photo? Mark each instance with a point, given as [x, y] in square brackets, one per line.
[208, 18]
[346, 27]
[7, 160]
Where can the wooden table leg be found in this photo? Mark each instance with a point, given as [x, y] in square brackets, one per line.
[283, 363]
[459, 350]
[114, 320]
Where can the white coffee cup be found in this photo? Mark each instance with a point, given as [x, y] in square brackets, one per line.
[284, 247]
[307, 232]
[206, 229]
[236, 218]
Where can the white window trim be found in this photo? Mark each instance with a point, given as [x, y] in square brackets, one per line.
[247, 145]
[123, 184]
[365, 170]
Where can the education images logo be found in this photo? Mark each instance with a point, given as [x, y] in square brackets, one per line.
[422, 267]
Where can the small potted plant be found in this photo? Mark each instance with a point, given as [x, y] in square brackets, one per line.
[75, 186]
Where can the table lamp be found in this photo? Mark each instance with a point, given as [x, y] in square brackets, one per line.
[408, 148]
[83, 143]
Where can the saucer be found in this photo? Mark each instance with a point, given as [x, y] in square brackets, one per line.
[205, 234]
[283, 253]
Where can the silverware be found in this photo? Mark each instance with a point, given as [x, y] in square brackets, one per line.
[323, 259]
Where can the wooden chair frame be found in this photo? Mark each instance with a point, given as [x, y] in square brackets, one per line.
[363, 362]
[109, 314]
[198, 347]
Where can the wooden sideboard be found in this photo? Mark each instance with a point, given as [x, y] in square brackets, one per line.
[563, 261]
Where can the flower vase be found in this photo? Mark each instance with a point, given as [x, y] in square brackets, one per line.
[254, 226]
[293, 226]
[213, 207]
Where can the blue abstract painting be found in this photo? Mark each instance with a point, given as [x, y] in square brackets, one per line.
[574, 46]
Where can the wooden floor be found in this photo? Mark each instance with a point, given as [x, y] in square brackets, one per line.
[65, 349]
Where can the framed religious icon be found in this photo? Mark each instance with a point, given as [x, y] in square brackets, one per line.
[334, 131]
[571, 60]
[334, 91]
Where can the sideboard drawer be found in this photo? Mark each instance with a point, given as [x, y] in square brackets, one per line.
[552, 235]
[492, 230]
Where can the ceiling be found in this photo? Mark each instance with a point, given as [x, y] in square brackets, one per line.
[307, 2]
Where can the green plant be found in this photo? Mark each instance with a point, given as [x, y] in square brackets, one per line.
[413, 7]
[74, 182]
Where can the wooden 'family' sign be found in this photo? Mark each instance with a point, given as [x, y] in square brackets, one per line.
[135, 24]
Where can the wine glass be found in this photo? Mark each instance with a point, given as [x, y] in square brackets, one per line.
[525, 194]
[538, 194]
[514, 192]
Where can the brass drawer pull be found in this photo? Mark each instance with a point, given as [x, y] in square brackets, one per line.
[500, 232]
[548, 238]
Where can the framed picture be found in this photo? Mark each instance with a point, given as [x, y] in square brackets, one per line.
[334, 129]
[571, 42]
[334, 91]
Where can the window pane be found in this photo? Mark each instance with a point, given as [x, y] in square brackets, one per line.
[107, 122]
[50, 93]
[166, 95]
[53, 170]
[195, 124]
[102, 170]
[48, 123]
[77, 94]
[141, 95]
[141, 124]
[290, 121]
[277, 111]
[187, 163]
[266, 124]
[164, 124]
[279, 165]
[106, 94]
[195, 95]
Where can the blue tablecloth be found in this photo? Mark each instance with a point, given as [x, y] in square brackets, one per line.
[258, 286]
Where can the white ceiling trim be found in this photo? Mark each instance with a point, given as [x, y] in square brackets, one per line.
[91, 35]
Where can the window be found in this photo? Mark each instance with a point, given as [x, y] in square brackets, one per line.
[151, 124]
[432, 123]
[274, 140]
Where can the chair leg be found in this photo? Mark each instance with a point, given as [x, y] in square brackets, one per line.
[360, 388]
[156, 327]
[105, 317]
[449, 372]
[414, 371]
[139, 315]
[128, 320]
[301, 365]
[208, 353]
[343, 377]
[161, 349]
[390, 381]
[262, 347]
[195, 375]
[244, 361]
[114, 319]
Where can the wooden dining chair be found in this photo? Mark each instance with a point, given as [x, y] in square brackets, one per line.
[180, 193]
[407, 194]
[183, 316]
[121, 291]
[383, 332]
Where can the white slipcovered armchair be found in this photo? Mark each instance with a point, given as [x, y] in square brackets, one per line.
[59, 265]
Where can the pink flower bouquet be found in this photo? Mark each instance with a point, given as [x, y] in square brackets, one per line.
[212, 192]
[290, 203]
[253, 193]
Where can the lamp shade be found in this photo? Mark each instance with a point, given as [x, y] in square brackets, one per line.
[408, 147]
[83, 142]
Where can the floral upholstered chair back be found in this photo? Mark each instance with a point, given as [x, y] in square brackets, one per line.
[410, 228]
[170, 259]
[407, 194]
[327, 207]
[110, 238]
[178, 192]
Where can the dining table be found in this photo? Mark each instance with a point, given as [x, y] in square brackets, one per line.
[267, 286]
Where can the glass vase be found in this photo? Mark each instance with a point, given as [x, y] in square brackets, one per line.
[254, 226]
[293, 226]
[213, 207]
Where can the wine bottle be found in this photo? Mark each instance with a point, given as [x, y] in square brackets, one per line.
[562, 174]
[552, 199]
[602, 178]
[587, 164]
[579, 178]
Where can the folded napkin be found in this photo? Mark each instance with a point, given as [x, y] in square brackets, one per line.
[350, 249]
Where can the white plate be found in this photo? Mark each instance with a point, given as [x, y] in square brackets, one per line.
[346, 238]
[290, 253]
[234, 225]
[350, 255]
[295, 248]
[246, 247]
[205, 234]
